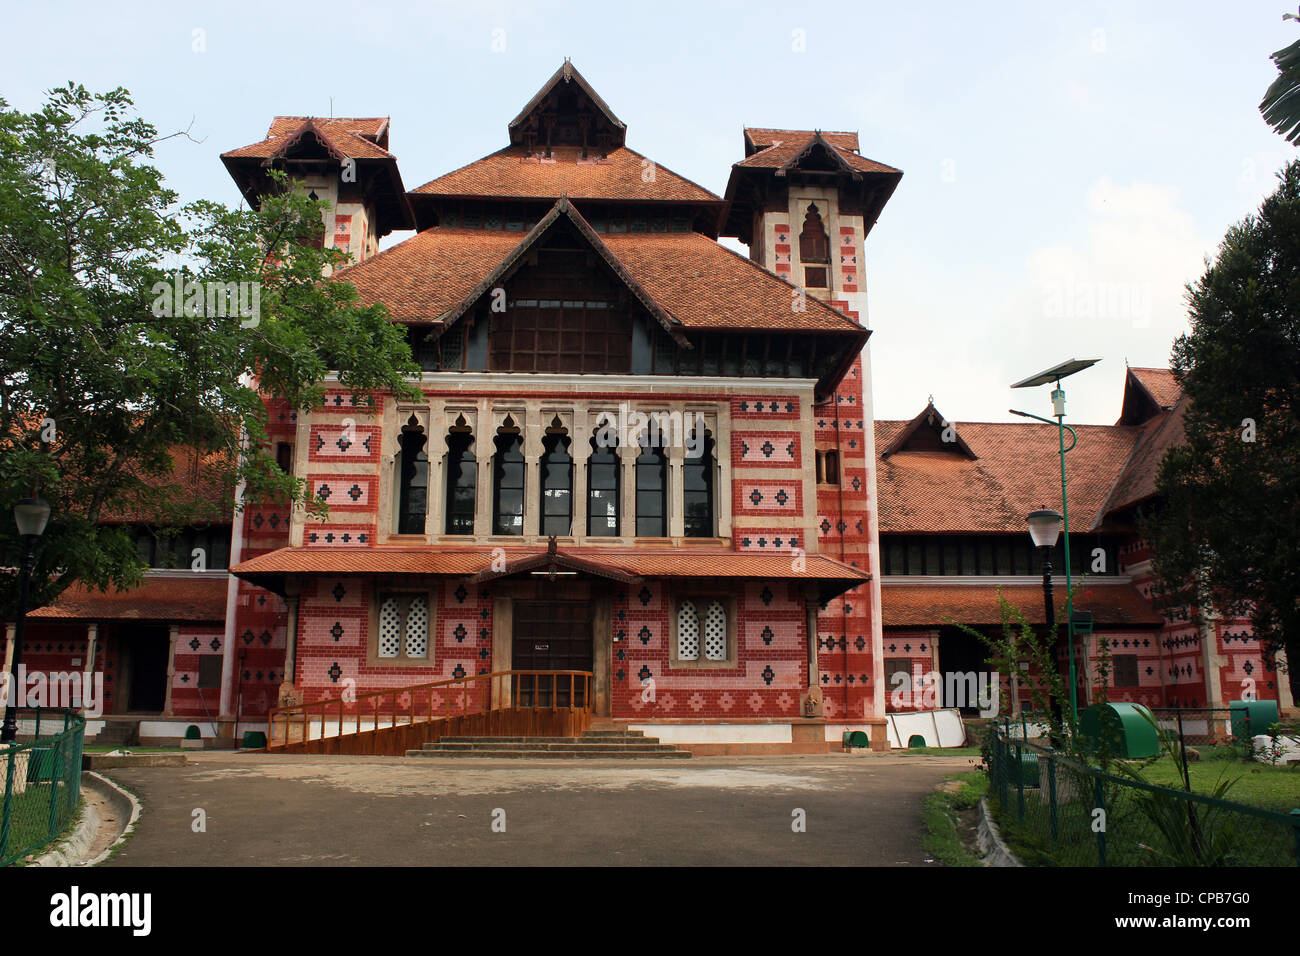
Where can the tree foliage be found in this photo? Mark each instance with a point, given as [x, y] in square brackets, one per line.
[1226, 532]
[1281, 103]
[100, 380]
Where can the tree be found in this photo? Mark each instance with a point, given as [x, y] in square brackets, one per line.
[104, 370]
[1226, 529]
[1281, 103]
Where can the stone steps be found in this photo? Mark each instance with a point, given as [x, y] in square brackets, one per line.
[593, 744]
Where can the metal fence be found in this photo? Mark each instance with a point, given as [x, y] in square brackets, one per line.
[42, 787]
[1198, 726]
[1054, 811]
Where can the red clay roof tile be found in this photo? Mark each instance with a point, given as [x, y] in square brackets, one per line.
[1017, 472]
[700, 283]
[514, 173]
[763, 137]
[157, 599]
[907, 604]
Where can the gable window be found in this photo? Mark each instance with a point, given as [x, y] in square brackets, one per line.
[556, 473]
[602, 491]
[413, 476]
[651, 492]
[704, 628]
[402, 627]
[508, 480]
[462, 479]
[697, 489]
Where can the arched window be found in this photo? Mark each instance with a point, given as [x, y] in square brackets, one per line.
[462, 479]
[651, 492]
[602, 491]
[697, 488]
[814, 249]
[508, 481]
[814, 245]
[556, 480]
[413, 491]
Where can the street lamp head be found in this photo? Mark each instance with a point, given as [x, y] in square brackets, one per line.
[31, 514]
[1044, 527]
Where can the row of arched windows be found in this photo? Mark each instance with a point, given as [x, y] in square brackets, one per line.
[554, 495]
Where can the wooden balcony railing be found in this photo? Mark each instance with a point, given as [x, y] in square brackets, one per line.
[394, 720]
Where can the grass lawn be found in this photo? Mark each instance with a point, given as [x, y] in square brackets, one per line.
[943, 812]
[29, 820]
[1259, 784]
[1139, 828]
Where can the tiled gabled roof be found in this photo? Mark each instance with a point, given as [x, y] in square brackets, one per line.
[373, 128]
[341, 140]
[1018, 471]
[694, 280]
[269, 570]
[915, 604]
[1160, 384]
[786, 154]
[159, 598]
[1137, 481]
[761, 137]
[516, 173]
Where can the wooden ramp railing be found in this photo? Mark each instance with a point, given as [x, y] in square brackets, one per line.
[393, 721]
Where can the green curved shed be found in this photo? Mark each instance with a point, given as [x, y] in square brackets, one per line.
[1252, 717]
[1130, 728]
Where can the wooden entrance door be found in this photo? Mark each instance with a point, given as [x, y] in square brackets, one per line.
[551, 636]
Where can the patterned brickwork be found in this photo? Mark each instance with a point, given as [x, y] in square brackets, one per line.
[334, 639]
[194, 641]
[770, 667]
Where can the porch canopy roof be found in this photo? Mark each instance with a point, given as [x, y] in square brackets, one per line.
[274, 569]
[159, 598]
[927, 604]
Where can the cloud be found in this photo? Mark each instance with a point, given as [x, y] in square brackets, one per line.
[1114, 290]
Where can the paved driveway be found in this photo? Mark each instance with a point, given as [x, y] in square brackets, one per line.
[329, 811]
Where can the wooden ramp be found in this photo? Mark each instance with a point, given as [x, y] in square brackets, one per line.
[393, 721]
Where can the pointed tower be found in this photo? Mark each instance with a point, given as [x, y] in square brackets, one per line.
[344, 163]
[804, 201]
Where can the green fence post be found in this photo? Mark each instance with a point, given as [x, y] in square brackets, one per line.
[1020, 783]
[8, 808]
[1051, 790]
[1099, 797]
[1295, 829]
[56, 778]
[67, 763]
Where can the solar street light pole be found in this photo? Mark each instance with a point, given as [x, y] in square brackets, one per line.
[1058, 409]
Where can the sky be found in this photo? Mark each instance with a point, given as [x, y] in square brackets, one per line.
[1067, 169]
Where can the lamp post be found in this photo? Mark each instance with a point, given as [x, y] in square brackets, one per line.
[1055, 374]
[1044, 531]
[30, 514]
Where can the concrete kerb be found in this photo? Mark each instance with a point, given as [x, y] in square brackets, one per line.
[990, 842]
[72, 849]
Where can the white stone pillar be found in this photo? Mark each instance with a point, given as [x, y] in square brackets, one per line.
[173, 633]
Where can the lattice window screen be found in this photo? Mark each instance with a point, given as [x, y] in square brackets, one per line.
[390, 627]
[715, 632]
[417, 627]
[688, 632]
